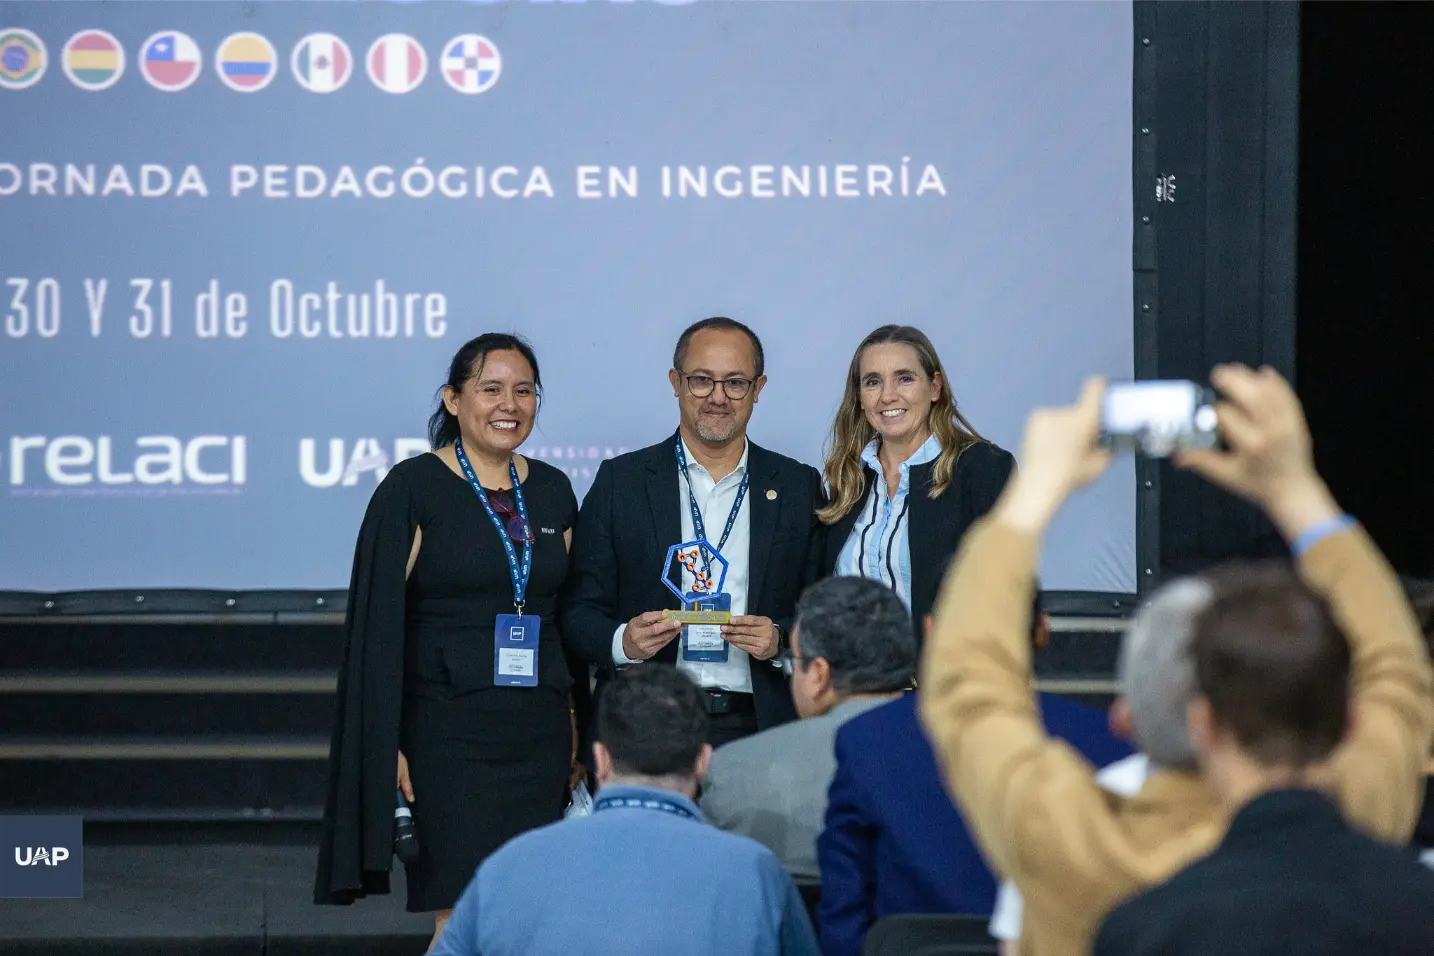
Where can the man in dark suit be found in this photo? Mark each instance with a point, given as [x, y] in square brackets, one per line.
[1290, 876]
[707, 481]
[893, 842]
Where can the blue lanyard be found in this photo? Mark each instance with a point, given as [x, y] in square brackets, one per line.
[519, 575]
[644, 803]
[700, 529]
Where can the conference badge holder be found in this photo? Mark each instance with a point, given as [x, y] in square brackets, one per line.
[515, 650]
[705, 608]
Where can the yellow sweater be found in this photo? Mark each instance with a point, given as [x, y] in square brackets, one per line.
[1033, 805]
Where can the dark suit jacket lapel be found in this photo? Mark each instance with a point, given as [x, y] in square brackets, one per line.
[927, 525]
[663, 503]
[763, 513]
[839, 532]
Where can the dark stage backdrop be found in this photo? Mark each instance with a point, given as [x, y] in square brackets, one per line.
[1217, 140]
[1366, 328]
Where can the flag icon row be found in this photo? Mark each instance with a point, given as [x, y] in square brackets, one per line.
[247, 62]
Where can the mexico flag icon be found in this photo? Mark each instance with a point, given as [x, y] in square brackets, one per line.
[322, 63]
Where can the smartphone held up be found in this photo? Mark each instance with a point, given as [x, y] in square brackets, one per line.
[1157, 418]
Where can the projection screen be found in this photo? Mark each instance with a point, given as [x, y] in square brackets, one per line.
[242, 241]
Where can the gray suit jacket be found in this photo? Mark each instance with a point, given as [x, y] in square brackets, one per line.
[773, 786]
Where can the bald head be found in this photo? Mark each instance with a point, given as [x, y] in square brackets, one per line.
[1156, 672]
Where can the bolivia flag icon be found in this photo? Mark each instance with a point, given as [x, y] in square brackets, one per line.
[93, 60]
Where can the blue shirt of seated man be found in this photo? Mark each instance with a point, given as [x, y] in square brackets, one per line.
[644, 875]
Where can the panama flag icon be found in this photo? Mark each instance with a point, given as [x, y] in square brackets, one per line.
[471, 63]
[170, 61]
[397, 63]
[322, 63]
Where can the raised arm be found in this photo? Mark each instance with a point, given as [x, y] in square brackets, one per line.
[1380, 768]
[1015, 784]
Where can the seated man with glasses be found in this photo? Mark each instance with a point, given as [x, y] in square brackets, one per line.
[706, 482]
[852, 649]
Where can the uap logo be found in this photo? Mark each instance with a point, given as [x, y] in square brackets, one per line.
[41, 855]
[345, 464]
[49, 856]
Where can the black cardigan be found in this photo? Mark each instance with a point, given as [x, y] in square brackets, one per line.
[935, 525]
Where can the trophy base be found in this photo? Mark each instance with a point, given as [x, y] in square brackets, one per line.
[699, 617]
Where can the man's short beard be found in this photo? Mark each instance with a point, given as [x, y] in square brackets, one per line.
[708, 433]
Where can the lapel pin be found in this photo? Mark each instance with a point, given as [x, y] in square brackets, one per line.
[771, 494]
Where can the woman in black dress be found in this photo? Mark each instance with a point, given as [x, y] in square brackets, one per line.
[423, 683]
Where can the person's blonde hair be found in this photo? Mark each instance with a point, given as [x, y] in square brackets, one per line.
[851, 432]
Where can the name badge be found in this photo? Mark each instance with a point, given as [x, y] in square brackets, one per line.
[515, 650]
[703, 642]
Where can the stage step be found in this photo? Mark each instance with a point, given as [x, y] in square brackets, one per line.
[124, 721]
[128, 777]
[121, 646]
[151, 707]
[208, 900]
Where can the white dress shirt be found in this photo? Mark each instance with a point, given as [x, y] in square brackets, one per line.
[714, 500]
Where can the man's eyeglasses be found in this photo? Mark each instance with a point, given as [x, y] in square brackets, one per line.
[787, 659]
[518, 529]
[702, 385]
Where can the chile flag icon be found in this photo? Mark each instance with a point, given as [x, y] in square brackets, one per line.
[170, 61]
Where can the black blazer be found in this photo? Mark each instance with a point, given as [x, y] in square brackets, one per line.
[1290, 877]
[632, 515]
[936, 524]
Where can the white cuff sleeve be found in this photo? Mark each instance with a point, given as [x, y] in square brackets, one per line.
[1006, 920]
[618, 657]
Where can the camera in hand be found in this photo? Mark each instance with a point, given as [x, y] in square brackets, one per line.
[1156, 418]
[405, 835]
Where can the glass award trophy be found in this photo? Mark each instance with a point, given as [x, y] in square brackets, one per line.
[705, 606]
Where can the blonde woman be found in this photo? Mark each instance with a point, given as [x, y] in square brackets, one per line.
[907, 473]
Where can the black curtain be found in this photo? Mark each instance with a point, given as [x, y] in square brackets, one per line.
[1217, 139]
[1366, 309]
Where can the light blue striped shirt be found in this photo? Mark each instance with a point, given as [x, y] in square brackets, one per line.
[878, 546]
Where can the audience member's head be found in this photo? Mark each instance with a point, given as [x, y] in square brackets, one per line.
[1155, 675]
[652, 731]
[852, 636]
[1272, 676]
